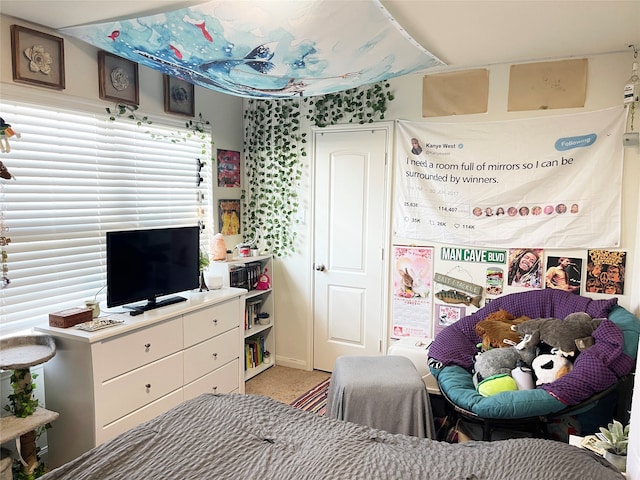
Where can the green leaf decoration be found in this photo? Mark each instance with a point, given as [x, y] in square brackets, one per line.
[274, 151]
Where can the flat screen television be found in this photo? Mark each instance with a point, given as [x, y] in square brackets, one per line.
[147, 264]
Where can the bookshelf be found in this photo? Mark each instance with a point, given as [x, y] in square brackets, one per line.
[259, 318]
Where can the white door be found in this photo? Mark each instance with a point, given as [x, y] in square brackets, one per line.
[351, 228]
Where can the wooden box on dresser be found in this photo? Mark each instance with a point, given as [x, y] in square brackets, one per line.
[105, 382]
[259, 333]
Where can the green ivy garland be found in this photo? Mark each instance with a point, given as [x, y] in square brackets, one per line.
[22, 402]
[274, 145]
[123, 110]
[356, 105]
[196, 128]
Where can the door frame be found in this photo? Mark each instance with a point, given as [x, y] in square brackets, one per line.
[388, 128]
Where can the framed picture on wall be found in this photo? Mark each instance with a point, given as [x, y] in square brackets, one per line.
[228, 168]
[178, 96]
[118, 79]
[37, 58]
[229, 217]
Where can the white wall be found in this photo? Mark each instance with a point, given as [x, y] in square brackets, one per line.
[606, 77]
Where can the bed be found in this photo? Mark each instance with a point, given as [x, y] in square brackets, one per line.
[234, 436]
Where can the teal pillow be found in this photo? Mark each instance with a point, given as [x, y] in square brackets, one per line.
[458, 383]
[629, 324]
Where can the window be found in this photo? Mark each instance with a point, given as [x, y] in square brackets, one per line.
[77, 176]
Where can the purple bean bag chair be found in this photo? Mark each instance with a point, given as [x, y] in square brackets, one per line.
[611, 358]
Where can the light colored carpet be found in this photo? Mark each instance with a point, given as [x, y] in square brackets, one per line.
[283, 383]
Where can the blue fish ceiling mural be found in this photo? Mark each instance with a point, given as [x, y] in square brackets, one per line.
[267, 49]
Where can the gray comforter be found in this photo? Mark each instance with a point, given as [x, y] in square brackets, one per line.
[238, 436]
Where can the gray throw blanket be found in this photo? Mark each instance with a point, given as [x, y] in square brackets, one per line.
[236, 436]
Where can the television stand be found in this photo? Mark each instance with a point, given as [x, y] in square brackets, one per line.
[151, 304]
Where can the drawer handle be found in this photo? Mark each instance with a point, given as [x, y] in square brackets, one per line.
[215, 389]
[215, 322]
[148, 386]
[215, 356]
[147, 347]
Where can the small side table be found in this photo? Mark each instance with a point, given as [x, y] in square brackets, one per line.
[576, 441]
[366, 389]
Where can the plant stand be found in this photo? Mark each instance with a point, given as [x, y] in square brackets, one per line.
[19, 354]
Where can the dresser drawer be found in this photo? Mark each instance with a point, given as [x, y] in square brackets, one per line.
[141, 415]
[211, 354]
[122, 354]
[211, 321]
[122, 395]
[223, 380]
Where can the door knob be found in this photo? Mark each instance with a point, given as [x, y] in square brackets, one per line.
[320, 267]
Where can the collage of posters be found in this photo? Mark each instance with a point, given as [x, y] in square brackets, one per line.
[434, 287]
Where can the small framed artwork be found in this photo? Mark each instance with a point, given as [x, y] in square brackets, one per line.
[229, 217]
[118, 79]
[228, 168]
[178, 96]
[37, 58]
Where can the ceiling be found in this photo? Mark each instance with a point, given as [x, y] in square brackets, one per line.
[461, 33]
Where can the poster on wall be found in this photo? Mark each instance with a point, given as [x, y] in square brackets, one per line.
[228, 168]
[229, 217]
[446, 315]
[606, 271]
[564, 273]
[525, 267]
[412, 272]
[527, 182]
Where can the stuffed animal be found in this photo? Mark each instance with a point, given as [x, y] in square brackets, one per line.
[492, 369]
[496, 332]
[560, 335]
[6, 132]
[549, 367]
[264, 281]
[5, 173]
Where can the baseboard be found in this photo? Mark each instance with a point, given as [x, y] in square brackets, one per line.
[292, 363]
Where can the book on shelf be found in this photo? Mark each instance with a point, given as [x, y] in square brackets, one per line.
[254, 352]
[251, 311]
[253, 269]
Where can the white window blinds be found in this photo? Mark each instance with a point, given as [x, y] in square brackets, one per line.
[77, 176]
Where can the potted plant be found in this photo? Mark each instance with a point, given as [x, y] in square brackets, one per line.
[615, 440]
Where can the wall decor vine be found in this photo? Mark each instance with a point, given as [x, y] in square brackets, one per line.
[356, 105]
[275, 137]
[273, 144]
[123, 110]
[197, 128]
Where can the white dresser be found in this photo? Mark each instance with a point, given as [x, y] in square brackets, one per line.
[105, 382]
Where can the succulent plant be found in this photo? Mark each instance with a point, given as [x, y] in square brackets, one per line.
[616, 438]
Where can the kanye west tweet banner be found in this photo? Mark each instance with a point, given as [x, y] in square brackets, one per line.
[551, 182]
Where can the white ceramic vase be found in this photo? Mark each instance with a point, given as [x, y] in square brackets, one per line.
[213, 281]
[618, 461]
